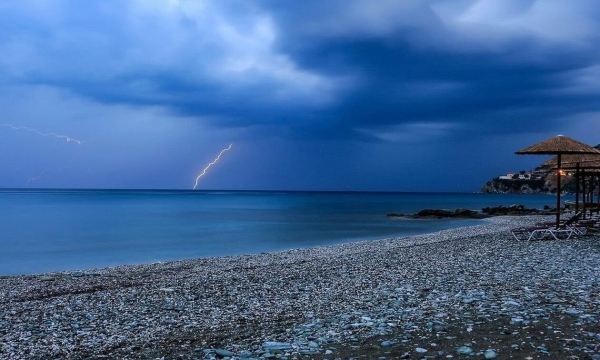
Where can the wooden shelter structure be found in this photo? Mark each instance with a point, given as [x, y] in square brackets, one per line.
[585, 166]
[558, 145]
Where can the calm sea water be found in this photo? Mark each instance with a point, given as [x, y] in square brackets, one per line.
[50, 230]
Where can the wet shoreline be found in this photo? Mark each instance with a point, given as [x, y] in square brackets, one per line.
[313, 302]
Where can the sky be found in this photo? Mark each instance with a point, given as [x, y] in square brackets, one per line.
[348, 95]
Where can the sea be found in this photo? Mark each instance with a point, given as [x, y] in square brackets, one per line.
[45, 230]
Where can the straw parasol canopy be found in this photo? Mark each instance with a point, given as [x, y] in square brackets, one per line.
[558, 145]
[570, 161]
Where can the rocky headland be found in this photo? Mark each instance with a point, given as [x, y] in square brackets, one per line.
[510, 186]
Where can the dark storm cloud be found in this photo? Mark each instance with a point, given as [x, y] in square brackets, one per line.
[429, 70]
[320, 69]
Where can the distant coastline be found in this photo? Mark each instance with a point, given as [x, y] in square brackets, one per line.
[517, 186]
[541, 180]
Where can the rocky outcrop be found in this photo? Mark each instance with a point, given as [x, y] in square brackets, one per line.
[439, 214]
[443, 214]
[502, 186]
[512, 210]
[472, 214]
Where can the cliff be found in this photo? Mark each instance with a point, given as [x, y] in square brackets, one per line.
[543, 183]
[502, 186]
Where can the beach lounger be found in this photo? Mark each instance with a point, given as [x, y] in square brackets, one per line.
[573, 219]
[561, 233]
[581, 227]
[566, 228]
[585, 226]
[530, 233]
[540, 231]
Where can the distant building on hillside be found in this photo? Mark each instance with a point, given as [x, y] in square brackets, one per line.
[523, 175]
[508, 176]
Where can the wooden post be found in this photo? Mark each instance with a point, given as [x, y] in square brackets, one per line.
[583, 191]
[577, 189]
[558, 190]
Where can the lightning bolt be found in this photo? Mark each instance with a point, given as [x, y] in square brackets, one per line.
[59, 136]
[211, 164]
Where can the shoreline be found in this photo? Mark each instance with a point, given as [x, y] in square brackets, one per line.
[336, 248]
[325, 302]
[354, 241]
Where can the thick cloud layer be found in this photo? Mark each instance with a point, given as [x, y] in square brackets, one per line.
[330, 80]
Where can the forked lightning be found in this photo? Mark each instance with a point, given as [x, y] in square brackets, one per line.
[59, 136]
[211, 164]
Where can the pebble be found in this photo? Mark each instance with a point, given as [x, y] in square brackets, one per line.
[490, 354]
[224, 353]
[275, 346]
[573, 312]
[286, 304]
[464, 350]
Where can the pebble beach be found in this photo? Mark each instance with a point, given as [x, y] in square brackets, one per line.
[472, 292]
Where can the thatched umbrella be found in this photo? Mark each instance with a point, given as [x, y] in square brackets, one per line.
[558, 145]
[583, 164]
[569, 161]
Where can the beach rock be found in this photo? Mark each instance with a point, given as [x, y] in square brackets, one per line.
[395, 215]
[510, 210]
[442, 213]
[276, 346]
[437, 213]
[490, 354]
[224, 353]
[464, 350]
[245, 354]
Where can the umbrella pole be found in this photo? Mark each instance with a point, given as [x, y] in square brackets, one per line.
[558, 192]
[577, 189]
[598, 203]
[584, 191]
[598, 197]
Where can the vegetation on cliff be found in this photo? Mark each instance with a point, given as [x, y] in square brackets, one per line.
[517, 186]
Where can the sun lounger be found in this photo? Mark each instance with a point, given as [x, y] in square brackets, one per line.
[583, 227]
[578, 225]
[573, 219]
[540, 231]
[563, 233]
[531, 233]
